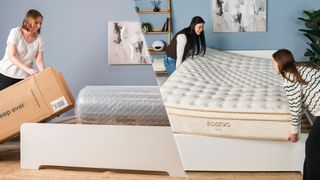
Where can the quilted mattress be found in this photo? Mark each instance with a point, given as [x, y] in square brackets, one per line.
[121, 105]
[225, 94]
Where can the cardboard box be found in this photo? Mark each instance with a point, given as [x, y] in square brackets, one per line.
[37, 98]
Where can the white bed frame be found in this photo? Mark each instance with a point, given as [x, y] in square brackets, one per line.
[220, 154]
[153, 148]
[148, 148]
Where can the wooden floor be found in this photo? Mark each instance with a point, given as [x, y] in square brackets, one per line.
[10, 169]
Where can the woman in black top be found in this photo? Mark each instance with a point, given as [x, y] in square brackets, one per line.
[188, 41]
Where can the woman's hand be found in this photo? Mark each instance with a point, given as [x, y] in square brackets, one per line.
[31, 71]
[293, 137]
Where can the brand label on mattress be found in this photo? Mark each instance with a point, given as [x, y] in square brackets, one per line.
[59, 104]
[219, 125]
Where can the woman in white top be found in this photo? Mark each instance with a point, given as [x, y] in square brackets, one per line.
[24, 46]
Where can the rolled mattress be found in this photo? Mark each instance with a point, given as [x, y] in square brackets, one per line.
[227, 95]
[121, 105]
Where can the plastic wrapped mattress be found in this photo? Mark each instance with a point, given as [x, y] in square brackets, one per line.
[121, 105]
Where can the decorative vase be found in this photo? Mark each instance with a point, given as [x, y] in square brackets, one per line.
[156, 9]
[137, 9]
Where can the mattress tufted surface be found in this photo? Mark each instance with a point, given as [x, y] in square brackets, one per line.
[225, 86]
[228, 82]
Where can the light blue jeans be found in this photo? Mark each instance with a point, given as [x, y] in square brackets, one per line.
[170, 64]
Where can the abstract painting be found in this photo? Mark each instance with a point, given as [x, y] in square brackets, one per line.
[127, 44]
[239, 15]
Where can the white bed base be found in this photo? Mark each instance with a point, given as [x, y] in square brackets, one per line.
[222, 154]
[151, 148]
[148, 148]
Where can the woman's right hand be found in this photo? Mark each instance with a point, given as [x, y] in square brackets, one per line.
[31, 71]
[293, 137]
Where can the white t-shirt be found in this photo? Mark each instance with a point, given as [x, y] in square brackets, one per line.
[27, 52]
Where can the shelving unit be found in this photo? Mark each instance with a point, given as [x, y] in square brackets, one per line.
[147, 15]
[158, 31]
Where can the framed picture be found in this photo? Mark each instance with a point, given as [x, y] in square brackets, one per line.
[239, 15]
[127, 44]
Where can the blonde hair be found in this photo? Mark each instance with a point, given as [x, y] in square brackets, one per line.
[32, 14]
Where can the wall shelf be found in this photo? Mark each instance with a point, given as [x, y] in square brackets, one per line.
[151, 51]
[150, 11]
[156, 31]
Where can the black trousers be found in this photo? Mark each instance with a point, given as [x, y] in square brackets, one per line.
[311, 168]
[6, 81]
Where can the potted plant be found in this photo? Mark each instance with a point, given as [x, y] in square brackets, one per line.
[312, 32]
[146, 27]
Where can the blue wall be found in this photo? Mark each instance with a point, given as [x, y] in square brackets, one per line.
[76, 37]
[282, 25]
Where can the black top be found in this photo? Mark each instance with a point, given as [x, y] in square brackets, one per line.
[171, 51]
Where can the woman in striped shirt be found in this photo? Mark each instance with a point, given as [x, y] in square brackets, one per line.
[301, 83]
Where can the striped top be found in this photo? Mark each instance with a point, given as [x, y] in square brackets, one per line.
[303, 97]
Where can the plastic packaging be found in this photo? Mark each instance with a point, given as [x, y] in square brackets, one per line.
[121, 105]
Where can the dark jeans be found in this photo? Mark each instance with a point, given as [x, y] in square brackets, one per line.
[311, 168]
[6, 81]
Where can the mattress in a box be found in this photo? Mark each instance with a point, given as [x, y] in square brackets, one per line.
[121, 105]
[227, 95]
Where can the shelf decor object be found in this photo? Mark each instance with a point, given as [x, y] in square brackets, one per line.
[146, 27]
[165, 26]
[158, 45]
[156, 5]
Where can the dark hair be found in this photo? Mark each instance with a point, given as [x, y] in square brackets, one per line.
[286, 64]
[197, 40]
[31, 14]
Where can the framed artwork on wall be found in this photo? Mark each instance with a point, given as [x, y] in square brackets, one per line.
[239, 15]
[126, 43]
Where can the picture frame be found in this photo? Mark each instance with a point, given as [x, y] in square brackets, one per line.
[239, 15]
[127, 44]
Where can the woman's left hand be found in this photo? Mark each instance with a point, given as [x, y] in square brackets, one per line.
[293, 137]
[31, 71]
